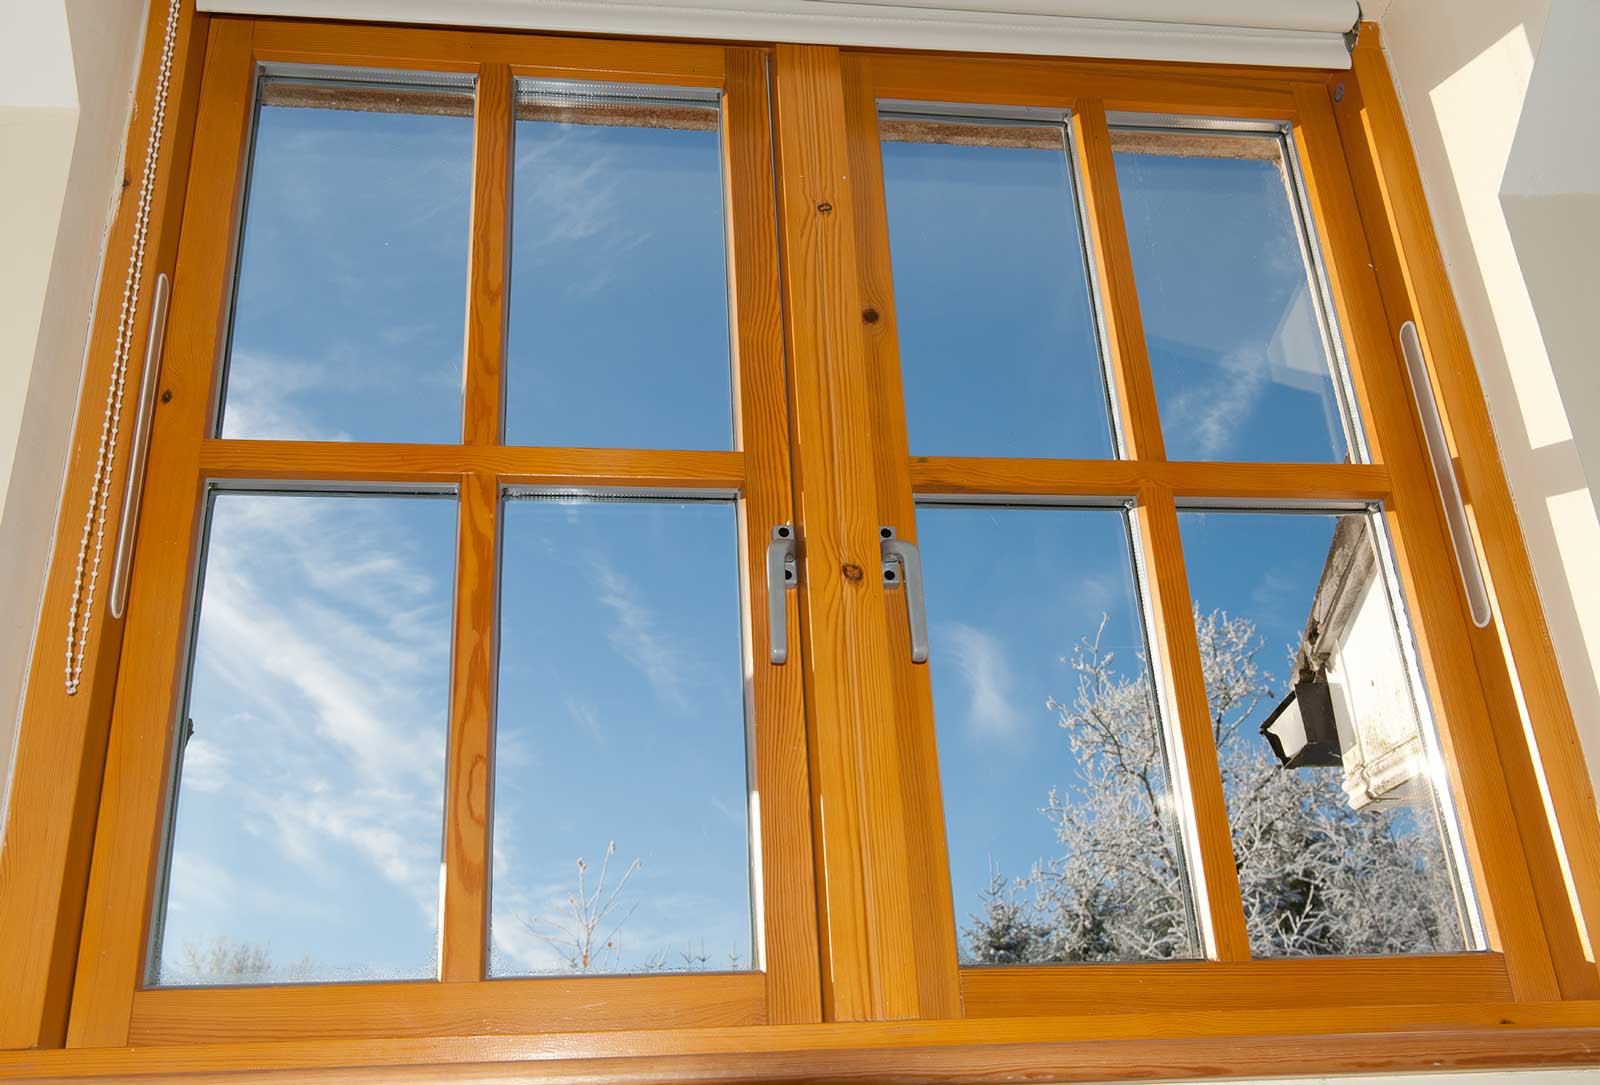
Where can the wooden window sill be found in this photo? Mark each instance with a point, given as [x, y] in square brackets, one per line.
[1102, 1047]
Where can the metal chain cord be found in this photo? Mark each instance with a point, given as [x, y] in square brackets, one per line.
[94, 519]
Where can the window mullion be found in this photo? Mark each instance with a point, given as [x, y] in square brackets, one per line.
[1196, 778]
[869, 911]
[936, 937]
[782, 849]
[489, 267]
[464, 897]
[1118, 299]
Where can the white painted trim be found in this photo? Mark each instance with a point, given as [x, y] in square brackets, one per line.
[1293, 33]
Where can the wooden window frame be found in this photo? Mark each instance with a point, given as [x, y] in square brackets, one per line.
[110, 1005]
[1519, 964]
[861, 975]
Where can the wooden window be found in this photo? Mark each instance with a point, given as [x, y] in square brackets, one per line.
[341, 370]
[537, 340]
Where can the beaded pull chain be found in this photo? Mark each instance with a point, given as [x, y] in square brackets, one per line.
[94, 520]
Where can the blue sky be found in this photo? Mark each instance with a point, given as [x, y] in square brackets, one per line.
[362, 342]
[309, 819]
[618, 303]
[1239, 365]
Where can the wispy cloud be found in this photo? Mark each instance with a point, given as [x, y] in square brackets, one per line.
[205, 766]
[570, 205]
[586, 716]
[320, 699]
[1213, 412]
[263, 390]
[636, 637]
[979, 658]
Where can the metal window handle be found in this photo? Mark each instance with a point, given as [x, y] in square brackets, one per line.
[902, 563]
[140, 445]
[1444, 476]
[782, 578]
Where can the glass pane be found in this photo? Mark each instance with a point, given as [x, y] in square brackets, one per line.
[619, 286]
[1339, 832]
[311, 788]
[621, 829]
[351, 301]
[1231, 315]
[998, 344]
[1062, 833]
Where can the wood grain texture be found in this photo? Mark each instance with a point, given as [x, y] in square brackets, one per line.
[389, 46]
[350, 1011]
[1068, 990]
[148, 686]
[1426, 561]
[866, 903]
[785, 861]
[489, 261]
[856, 917]
[928, 857]
[1133, 385]
[60, 747]
[1264, 482]
[1184, 1044]
[1217, 91]
[469, 765]
[1197, 781]
[442, 465]
[1565, 855]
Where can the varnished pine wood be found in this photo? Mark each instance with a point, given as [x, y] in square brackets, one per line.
[1416, 286]
[148, 690]
[1135, 390]
[865, 900]
[336, 462]
[1266, 483]
[1307, 983]
[489, 262]
[1186, 1044]
[1196, 777]
[1426, 560]
[469, 764]
[60, 748]
[784, 862]
[432, 48]
[865, 775]
[929, 859]
[494, 1008]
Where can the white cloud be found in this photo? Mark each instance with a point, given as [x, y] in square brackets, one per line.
[1215, 411]
[637, 638]
[568, 207]
[205, 766]
[979, 658]
[326, 640]
[585, 715]
[262, 390]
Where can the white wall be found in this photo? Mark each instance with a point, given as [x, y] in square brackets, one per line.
[1463, 69]
[66, 83]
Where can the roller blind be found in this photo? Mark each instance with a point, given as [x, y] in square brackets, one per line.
[1293, 33]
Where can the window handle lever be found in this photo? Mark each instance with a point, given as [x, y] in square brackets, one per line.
[139, 448]
[1444, 477]
[782, 578]
[896, 551]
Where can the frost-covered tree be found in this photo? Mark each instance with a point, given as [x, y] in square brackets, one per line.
[1316, 876]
